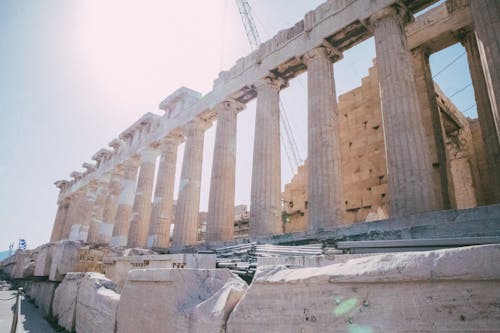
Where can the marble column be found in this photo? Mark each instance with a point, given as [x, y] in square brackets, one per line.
[163, 202]
[188, 202]
[324, 174]
[410, 182]
[80, 229]
[111, 205]
[72, 215]
[220, 220]
[265, 197]
[58, 228]
[490, 130]
[97, 218]
[433, 125]
[141, 210]
[486, 18]
[125, 202]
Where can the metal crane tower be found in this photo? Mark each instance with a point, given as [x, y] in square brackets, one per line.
[288, 140]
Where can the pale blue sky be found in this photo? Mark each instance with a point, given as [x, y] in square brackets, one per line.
[74, 74]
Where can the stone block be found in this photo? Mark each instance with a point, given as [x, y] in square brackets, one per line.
[44, 260]
[64, 305]
[96, 305]
[64, 260]
[177, 300]
[42, 293]
[22, 264]
[117, 268]
[444, 290]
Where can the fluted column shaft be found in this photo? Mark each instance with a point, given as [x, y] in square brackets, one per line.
[110, 206]
[58, 228]
[163, 202]
[486, 18]
[84, 214]
[188, 202]
[125, 202]
[220, 220]
[265, 198]
[141, 211]
[489, 125]
[96, 218]
[72, 215]
[324, 173]
[410, 183]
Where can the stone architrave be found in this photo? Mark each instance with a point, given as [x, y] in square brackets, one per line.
[220, 220]
[125, 202]
[265, 198]
[96, 218]
[410, 182]
[141, 211]
[324, 174]
[62, 213]
[188, 202]
[163, 202]
[490, 126]
[486, 18]
[110, 206]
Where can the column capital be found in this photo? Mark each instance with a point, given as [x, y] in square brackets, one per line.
[171, 142]
[148, 154]
[325, 50]
[197, 124]
[62, 184]
[271, 81]
[76, 175]
[117, 144]
[89, 166]
[398, 11]
[229, 105]
[132, 162]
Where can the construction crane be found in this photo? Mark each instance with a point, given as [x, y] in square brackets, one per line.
[287, 140]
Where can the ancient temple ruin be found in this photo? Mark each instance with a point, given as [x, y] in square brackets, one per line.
[396, 146]
[393, 166]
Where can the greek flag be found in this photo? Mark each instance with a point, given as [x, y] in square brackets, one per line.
[22, 244]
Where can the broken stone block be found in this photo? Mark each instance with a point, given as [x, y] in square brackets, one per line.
[212, 314]
[96, 305]
[444, 290]
[166, 300]
[65, 297]
[64, 260]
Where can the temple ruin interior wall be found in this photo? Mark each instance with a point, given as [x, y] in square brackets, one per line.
[364, 171]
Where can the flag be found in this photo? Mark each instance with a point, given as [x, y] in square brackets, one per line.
[22, 244]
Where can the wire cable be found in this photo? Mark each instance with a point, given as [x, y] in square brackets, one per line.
[460, 90]
[449, 64]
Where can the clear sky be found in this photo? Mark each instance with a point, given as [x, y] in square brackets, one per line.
[74, 74]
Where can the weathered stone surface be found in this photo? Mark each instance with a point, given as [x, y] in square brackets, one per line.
[177, 300]
[65, 298]
[42, 292]
[117, 268]
[64, 260]
[44, 260]
[453, 289]
[96, 305]
[23, 267]
[212, 314]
